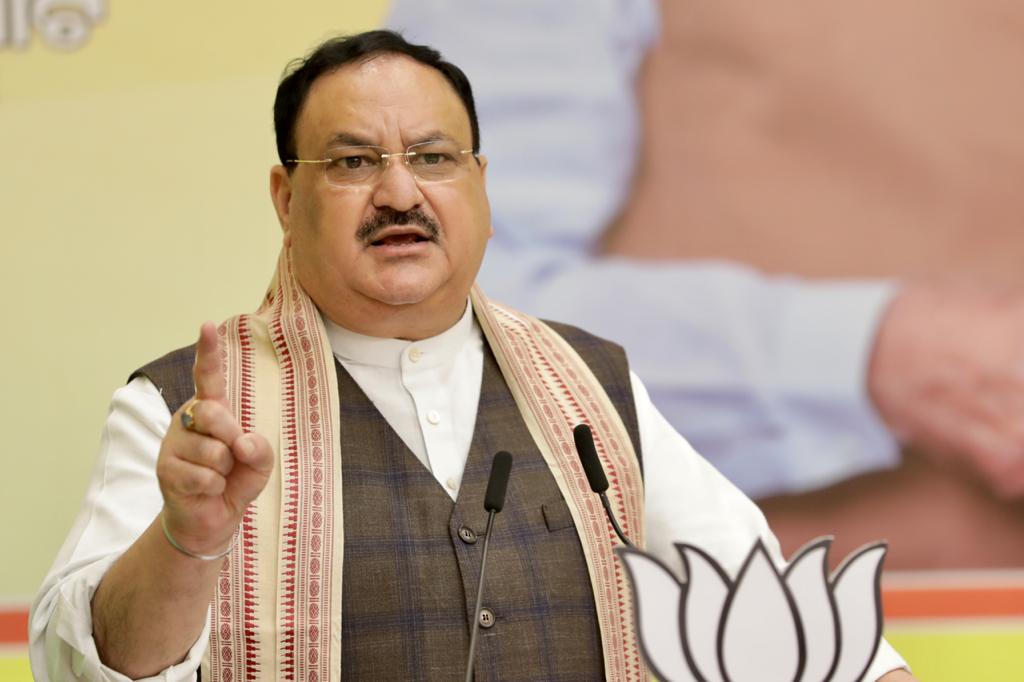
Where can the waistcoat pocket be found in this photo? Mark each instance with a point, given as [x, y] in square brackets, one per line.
[556, 514]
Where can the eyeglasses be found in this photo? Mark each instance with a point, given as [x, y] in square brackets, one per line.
[434, 161]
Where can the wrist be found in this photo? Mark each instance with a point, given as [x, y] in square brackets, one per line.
[195, 555]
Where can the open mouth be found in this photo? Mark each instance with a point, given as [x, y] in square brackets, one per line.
[400, 236]
[404, 239]
[399, 230]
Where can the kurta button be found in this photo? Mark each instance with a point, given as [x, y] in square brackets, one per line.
[467, 535]
[486, 618]
[415, 354]
[434, 417]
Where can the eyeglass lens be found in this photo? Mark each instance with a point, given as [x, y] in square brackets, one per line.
[429, 161]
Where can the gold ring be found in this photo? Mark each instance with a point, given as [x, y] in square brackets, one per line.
[188, 419]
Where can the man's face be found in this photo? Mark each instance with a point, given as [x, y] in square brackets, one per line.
[388, 278]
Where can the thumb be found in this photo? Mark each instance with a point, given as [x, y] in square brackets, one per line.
[254, 460]
[208, 372]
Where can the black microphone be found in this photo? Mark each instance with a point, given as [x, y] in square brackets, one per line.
[589, 459]
[595, 473]
[501, 466]
[494, 500]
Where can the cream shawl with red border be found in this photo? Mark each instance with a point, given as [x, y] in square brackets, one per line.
[276, 613]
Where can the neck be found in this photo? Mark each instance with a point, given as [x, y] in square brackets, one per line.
[412, 322]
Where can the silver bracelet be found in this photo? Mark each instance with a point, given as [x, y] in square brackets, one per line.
[201, 557]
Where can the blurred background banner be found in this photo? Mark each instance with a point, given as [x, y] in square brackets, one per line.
[137, 139]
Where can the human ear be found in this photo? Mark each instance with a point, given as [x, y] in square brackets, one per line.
[281, 195]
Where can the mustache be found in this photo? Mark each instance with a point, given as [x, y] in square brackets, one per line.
[386, 217]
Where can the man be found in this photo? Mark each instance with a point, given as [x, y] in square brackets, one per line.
[296, 458]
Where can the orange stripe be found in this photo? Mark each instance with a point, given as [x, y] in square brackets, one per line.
[14, 626]
[953, 602]
[898, 602]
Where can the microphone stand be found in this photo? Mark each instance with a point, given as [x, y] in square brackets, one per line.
[494, 500]
[479, 598]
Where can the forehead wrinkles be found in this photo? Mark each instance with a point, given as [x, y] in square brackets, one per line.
[382, 96]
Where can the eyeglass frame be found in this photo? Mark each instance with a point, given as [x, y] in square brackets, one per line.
[386, 157]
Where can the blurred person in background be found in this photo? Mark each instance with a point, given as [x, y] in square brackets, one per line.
[816, 222]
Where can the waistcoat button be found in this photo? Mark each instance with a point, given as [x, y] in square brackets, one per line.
[467, 535]
[486, 618]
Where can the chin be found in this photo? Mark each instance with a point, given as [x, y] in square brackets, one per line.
[404, 294]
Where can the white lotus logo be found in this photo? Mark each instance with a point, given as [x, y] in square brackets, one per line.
[797, 626]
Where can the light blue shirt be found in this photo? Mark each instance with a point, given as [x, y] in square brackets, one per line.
[765, 376]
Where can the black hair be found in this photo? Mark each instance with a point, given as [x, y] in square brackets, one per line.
[300, 74]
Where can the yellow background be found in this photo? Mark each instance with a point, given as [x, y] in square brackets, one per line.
[134, 201]
[134, 205]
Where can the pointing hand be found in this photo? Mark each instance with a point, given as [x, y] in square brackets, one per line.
[211, 470]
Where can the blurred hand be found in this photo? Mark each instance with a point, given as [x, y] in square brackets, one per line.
[947, 374]
[210, 474]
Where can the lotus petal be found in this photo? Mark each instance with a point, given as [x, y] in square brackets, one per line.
[857, 590]
[658, 598]
[707, 586]
[807, 580]
[761, 637]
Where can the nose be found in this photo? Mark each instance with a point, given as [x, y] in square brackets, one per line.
[397, 187]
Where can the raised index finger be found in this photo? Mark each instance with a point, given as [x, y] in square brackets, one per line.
[208, 372]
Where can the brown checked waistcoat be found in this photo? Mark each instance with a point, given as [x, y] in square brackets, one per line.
[412, 555]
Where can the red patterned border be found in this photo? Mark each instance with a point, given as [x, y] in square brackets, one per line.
[557, 390]
[307, 547]
[287, 545]
[250, 567]
[234, 641]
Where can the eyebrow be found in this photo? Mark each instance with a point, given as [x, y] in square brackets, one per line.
[355, 140]
[348, 139]
[433, 136]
